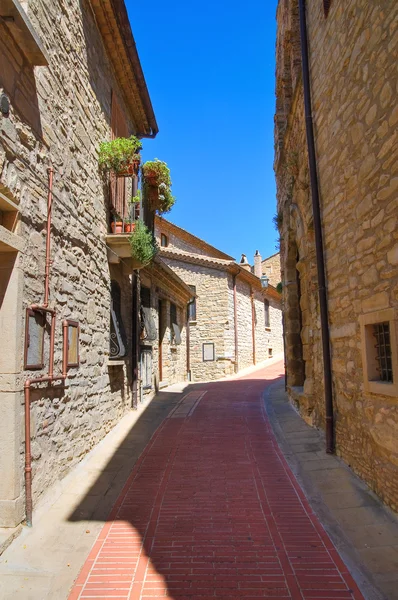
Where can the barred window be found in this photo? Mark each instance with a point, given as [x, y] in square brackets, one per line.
[381, 332]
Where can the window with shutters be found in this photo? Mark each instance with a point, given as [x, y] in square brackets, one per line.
[119, 128]
[379, 352]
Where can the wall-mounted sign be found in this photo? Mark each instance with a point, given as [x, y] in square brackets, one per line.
[34, 339]
[208, 351]
[72, 342]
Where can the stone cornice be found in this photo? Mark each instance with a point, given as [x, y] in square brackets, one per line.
[114, 25]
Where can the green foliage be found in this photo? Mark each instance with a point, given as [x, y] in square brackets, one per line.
[159, 171]
[137, 198]
[278, 220]
[143, 244]
[119, 153]
[279, 287]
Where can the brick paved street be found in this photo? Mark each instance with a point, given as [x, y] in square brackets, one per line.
[211, 509]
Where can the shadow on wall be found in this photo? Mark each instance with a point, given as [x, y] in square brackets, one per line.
[168, 492]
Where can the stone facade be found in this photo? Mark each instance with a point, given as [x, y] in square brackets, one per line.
[354, 83]
[271, 267]
[212, 274]
[59, 113]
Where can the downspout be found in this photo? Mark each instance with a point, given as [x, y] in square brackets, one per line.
[189, 377]
[49, 378]
[236, 366]
[253, 325]
[327, 371]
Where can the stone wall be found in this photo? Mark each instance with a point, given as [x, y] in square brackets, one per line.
[272, 268]
[58, 116]
[354, 83]
[212, 322]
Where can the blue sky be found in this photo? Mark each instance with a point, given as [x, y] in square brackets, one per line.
[210, 69]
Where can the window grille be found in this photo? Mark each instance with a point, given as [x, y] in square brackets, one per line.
[266, 313]
[381, 332]
[117, 343]
[192, 305]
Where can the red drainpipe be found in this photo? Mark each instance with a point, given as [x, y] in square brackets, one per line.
[236, 325]
[49, 378]
[253, 325]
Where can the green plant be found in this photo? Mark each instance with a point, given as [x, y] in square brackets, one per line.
[279, 287]
[156, 173]
[137, 198]
[143, 244]
[119, 153]
[278, 220]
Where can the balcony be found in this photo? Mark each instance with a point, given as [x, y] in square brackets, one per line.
[9, 240]
[118, 239]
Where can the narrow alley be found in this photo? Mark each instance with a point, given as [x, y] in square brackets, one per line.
[211, 509]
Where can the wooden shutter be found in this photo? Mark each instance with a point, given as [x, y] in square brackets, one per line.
[119, 128]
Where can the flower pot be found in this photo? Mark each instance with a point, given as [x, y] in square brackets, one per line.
[117, 227]
[129, 170]
[129, 227]
[151, 180]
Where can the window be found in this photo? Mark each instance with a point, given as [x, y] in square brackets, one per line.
[173, 314]
[326, 6]
[266, 314]
[119, 128]
[379, 352]
[270, 352]
[148, 324]
[164, 240]
[192, 305]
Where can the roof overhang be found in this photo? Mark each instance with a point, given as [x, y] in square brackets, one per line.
[168, 281]
[114, 25]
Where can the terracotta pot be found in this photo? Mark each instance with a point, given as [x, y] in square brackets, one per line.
[129, 227]
[129, 170]
[151, 180]
[117, 226]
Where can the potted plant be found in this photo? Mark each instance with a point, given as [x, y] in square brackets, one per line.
[117, 224]
[129, 225]
[121, 156]
[157, 185]
[143, 244]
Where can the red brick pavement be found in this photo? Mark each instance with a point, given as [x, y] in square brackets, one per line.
[212, 510]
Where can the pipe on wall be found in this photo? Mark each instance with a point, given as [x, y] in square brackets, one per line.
[236, 365]
[327, 370]
[253, 325]
[49, 378]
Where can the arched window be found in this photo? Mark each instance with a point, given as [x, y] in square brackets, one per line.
[266, 313]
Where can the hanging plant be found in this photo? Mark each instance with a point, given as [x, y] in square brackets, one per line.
[143, 244]
[157, 185]
[121, 156]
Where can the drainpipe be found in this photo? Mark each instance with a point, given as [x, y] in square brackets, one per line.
[236, 366]
[189, 377]
[49, 378]
[327, 371]
[48, 240]
[253, 325]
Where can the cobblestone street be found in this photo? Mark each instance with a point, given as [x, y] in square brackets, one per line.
[212, 509]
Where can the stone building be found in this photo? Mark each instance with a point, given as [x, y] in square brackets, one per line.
[233, 322]
[70, 78]
[271, 267]
[353, 47]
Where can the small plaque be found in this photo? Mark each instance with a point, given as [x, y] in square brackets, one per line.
[73, 344]
[34, 339]
[208, 352]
